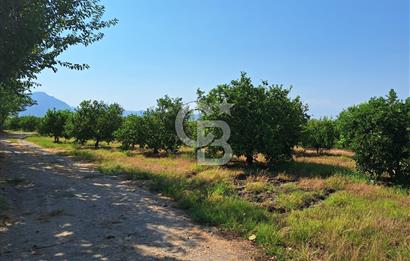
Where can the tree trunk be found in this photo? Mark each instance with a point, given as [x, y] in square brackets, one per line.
[317, 151]
[97, 144]
[56, 139]
[249, 159]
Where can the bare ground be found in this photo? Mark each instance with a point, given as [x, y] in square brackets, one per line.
[65, 210]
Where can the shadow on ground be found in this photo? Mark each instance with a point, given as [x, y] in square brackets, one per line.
[63, 210]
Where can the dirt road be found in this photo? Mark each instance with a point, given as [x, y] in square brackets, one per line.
[64, 210]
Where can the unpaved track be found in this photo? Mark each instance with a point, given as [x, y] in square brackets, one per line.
[63, 210]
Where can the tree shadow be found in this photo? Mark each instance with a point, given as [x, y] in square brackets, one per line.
[302, 169]
[327, 153]
[294, 169]
[152, 154]
[54, 220]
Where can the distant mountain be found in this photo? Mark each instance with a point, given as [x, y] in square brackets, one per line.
[44, 103]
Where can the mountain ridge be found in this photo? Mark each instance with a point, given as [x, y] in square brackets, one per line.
[44, 102]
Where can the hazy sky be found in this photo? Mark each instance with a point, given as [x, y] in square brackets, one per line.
[334, 52]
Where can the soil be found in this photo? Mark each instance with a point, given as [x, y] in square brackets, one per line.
[63, 209]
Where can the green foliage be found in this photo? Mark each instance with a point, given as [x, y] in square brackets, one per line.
[347, 226]
[357, 221]
[54, 124]
[30, 123]
[131, 132]
[319, 134]
[48, 29]
[25, 123]
[12, 101]
[379, 133]
[12, 123]
[263, 118]
[95, 120]
[33, 34]
[160, 125]
[4, 205]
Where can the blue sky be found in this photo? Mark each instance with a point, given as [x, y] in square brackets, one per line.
[334, 53]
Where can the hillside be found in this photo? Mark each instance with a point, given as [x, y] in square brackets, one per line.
[44, 102]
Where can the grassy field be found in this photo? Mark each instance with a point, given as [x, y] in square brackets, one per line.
[314, 208]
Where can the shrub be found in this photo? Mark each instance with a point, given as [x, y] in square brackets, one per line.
[379, 133]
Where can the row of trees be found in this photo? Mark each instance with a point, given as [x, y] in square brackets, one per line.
[98, 121]
[25, 123]
[321, 134]
[155, 129]
[263, 120]
[92, 120]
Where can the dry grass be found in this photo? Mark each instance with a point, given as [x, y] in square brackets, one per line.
[258, 184]
[320, 207]
[331, 152]
[175, 166]
[334, 161]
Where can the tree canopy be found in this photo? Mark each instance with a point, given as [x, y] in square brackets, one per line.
[160, 125]
[33, 34]
[379, 133]
[319, 134]
[54, 124]
[263, 118]
[132, 132]
[94, 120]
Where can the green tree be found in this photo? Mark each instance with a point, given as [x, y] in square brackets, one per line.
[153, 126]
[283, 120]
[12, 101]
[25, 123]
[48, 29]
[379, 133]
[29, 123]
[245, 115]
[263, 118]
[54, 124]
[160, 125]
[12, 123]
[320, 134]
[132, 132]
[96, 121]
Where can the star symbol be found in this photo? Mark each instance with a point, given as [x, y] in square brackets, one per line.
[225, 108]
